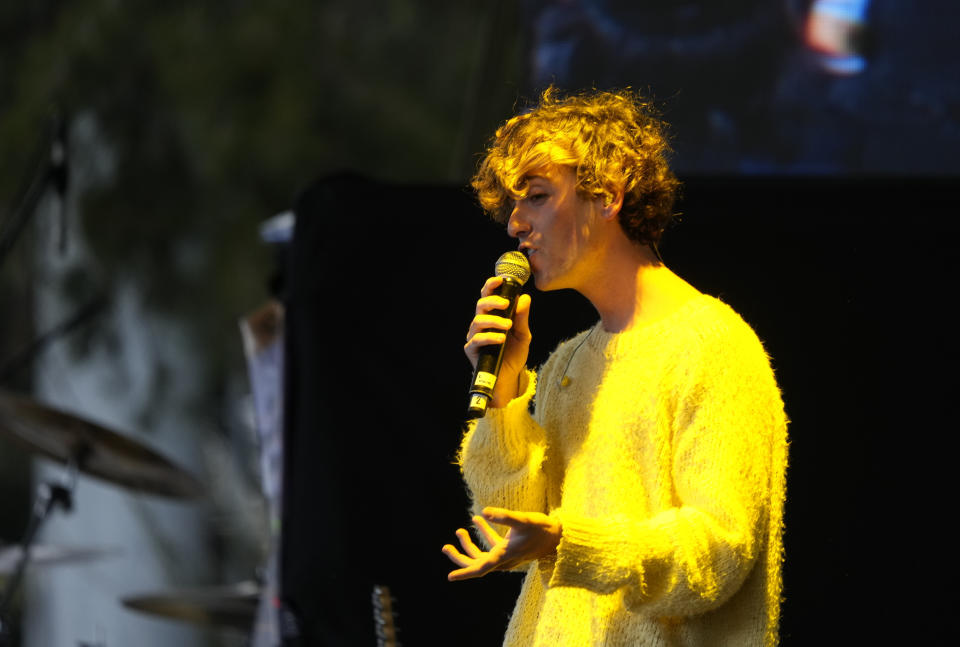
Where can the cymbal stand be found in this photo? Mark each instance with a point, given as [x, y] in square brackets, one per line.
[49, 496]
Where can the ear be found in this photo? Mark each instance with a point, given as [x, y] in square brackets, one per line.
[612, 210]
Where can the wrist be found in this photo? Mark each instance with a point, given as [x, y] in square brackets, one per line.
[502, 398]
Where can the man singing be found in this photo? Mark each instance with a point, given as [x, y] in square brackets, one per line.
[643, 496]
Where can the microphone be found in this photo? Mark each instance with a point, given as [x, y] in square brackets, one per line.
[514, 269]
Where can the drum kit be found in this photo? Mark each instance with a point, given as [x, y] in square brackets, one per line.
[86, 447]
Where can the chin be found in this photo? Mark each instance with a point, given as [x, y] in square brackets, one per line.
[544, 285]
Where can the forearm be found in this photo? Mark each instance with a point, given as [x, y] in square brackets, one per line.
[501, 457]
[678, 563]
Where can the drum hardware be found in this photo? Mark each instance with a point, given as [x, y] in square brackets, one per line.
[93, 449]
[49, 496]
[225, 606]
[84, 447]
[49, 555]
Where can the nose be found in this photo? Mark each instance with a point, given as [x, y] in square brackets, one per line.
[517, 225]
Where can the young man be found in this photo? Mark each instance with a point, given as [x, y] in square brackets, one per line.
[644, 495]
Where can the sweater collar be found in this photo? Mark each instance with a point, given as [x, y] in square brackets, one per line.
[616, 344]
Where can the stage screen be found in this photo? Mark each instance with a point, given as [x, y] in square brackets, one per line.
[770, 87]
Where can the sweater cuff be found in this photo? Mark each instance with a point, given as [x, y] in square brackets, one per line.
[509, 429]
[605, 555]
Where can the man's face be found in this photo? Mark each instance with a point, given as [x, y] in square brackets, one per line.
[556, 229]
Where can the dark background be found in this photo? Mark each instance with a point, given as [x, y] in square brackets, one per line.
[845, 283]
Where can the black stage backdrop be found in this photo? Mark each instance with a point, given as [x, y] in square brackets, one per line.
[846, 282]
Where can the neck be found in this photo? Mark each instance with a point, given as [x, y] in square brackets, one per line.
[633, 288]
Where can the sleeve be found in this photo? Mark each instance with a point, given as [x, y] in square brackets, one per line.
[501, 457]
[727, 463]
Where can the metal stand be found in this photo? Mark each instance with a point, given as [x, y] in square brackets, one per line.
[49, 496]
[53, 170]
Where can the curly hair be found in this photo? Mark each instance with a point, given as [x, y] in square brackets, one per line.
[613, 140]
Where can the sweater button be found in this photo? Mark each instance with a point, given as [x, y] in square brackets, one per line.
[564, 381]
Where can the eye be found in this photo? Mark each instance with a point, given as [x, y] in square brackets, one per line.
[537, 197]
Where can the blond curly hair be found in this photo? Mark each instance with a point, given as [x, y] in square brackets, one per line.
[613, 140]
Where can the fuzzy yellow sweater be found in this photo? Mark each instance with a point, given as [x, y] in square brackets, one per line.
[663, 454]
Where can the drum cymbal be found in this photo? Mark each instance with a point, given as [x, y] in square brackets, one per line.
[225, 606]
[41, 555]
[94, 449]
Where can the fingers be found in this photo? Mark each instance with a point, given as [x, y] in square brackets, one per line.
[455, 556]
[487, 315]
[498, 559]
[491, 535]
[474, 568]
[492, 303]
[468, 573]
[484, 323]
[490, 285]
[504, 517]
[489, 301]
[468, 546]
[521, 318]
[521, 520]
[473, 561]
[471, 568]
[488, 328]
[472, 348]
[471, 550]
[531, 535]
[484, 339]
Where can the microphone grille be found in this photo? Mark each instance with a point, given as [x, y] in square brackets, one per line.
[513, 264]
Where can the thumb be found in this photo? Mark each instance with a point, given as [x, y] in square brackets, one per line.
[501, 516]
[521, 318]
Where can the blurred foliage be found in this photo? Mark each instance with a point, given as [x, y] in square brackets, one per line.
[218, 113]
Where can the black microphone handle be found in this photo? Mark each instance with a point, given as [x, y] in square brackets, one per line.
[490, 357]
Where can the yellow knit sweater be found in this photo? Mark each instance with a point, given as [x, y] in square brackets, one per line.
[663, 454]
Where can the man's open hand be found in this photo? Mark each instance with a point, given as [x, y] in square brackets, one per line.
[530, 536]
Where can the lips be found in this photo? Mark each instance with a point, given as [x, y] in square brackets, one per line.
[533, 258]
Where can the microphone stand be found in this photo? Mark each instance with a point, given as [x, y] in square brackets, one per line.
[49, 496]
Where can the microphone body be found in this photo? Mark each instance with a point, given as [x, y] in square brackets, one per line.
[514, 269]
